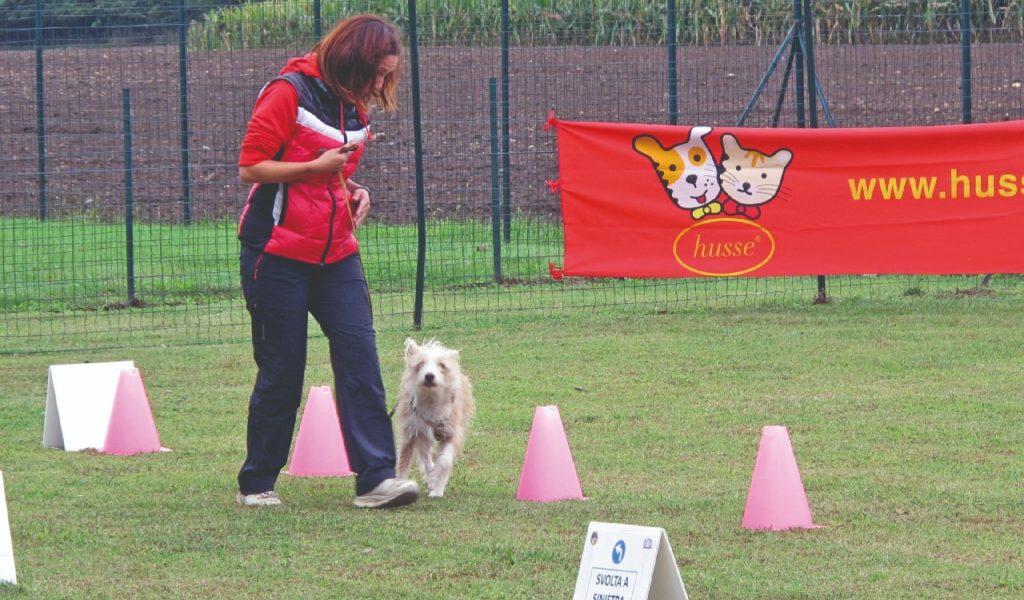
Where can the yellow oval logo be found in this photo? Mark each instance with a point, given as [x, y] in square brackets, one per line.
[724, 247]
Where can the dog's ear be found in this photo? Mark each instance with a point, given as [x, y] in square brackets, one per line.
[410, 347]
[453, 355]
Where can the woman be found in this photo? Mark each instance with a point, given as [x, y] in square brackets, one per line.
[300, 255]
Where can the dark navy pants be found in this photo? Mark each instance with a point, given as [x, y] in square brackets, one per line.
[280, 294]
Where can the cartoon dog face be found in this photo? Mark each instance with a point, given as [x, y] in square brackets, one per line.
[687, 170]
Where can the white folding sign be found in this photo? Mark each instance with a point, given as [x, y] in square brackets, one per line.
[79, 399]
[628, 562]
[7, 574]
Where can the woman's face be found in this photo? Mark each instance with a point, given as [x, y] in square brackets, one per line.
[386, 66]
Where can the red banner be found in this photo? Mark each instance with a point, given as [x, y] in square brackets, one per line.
[680, 201]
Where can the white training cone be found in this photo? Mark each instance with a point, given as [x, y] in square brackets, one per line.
[7, 574]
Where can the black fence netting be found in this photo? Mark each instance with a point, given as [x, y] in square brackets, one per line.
[121, 123]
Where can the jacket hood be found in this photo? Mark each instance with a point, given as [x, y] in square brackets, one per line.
[307, 65]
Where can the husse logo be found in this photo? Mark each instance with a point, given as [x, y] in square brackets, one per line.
[729, 192]
[725, 247]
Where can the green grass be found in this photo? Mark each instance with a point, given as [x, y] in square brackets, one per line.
[904, 416]
[62, 265]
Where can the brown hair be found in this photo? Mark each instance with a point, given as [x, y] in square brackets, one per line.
[349, 55]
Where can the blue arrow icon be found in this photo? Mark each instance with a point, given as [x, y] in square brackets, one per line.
[619, 552]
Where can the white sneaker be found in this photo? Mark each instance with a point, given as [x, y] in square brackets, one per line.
[262, 499]
[389, 493]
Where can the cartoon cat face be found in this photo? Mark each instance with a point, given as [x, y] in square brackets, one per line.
[748, 176]
[687, 170]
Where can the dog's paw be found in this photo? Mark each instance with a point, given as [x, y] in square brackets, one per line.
[436, 483]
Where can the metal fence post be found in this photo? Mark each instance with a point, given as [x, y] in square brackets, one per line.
[812, 110]
[798, 23]
[804, 27]
[492, 95]
[421, 209]
[505, 126]
[129, 209]
[317, 21]
[965, 55]
[966, 35]
[40, 112]
[673, 84]
[186, 182]
[812, 75]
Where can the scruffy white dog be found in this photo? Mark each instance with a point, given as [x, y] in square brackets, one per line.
[435, 406]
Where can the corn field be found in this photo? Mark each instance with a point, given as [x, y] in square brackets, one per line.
[618, 22]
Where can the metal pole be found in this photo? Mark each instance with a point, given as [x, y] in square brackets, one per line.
[421, 209]
[40, 112]
[673, 84]
[186, 182]
[505, 126]
[129, 241]
[777, 115]
[805, 55]
[808, 48]
[317, 20]
[966, 35]
[492, 89]
[965, 55]
[786, 45]
[799, 87]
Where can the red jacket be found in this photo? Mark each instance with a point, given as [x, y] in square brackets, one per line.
[295, 119]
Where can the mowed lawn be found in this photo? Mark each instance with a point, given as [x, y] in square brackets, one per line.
[906, 418]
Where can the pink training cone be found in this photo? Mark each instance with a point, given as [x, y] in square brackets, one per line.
[776, 500]
[131, 429]
[320, 448]
[549, 473]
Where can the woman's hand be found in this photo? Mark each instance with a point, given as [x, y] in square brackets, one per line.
[332, 160]
[361, 199]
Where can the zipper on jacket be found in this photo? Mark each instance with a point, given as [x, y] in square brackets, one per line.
[330, 227]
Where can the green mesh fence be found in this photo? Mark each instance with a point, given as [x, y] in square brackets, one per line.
[120, 192]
